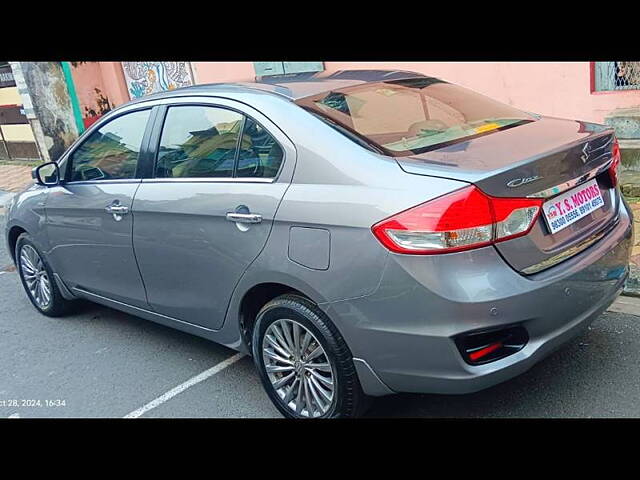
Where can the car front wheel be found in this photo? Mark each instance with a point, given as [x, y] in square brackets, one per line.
[37, 278]
[303, 361]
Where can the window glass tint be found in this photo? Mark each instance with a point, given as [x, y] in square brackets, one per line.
[111, 152]
[198, 142]
[406, 117]
[260, 155]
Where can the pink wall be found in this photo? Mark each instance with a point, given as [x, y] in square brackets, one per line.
[86, 79]
[560, 89]
[97, 82]
[114, 83]
[214, 72]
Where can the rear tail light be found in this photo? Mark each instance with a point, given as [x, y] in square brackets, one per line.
[464, 219]
[615, 163]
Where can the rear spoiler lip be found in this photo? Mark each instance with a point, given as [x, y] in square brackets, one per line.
[569, 184]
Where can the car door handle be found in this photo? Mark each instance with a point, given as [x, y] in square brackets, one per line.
[117, 211]
[244, 217]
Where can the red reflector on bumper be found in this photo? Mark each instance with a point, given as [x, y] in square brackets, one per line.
[483, 352]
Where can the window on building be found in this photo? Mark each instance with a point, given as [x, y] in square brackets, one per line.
[610, 76]
[264, 69]
[6, 75]
[111, 152]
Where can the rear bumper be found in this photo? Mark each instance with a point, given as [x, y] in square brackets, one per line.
[401, 335]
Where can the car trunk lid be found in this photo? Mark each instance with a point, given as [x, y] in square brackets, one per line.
[542, 159]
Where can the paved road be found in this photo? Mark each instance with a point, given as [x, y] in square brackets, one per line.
[104, 363]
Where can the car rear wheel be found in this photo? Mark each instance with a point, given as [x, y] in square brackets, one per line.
[37, 279]
[303, 361]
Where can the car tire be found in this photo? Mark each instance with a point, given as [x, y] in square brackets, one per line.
[328, 381]
[33, 268]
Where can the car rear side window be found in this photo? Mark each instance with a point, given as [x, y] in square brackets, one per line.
[198, 142]
[260, 155]
[111, 152]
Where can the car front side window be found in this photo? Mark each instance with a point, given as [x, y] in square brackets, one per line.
[111, 152]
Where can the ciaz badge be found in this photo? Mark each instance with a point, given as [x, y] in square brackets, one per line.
[517, 182]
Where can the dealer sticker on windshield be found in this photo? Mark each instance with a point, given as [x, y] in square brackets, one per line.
[568, 208]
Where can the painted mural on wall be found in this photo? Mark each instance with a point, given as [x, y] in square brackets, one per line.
[144, 78]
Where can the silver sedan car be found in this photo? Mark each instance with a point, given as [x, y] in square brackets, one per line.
[358, 233]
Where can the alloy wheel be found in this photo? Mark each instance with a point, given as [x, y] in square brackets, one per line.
[35, 276]
[298, 368]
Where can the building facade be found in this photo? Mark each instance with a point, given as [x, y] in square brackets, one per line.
[601, 92]
[17, 139]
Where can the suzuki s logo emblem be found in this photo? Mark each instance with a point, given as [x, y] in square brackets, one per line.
[517, 182]
[586, 150]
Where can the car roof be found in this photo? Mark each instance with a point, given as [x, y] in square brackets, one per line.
[291, 86]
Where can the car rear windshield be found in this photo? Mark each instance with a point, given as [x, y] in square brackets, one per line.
[406, 117]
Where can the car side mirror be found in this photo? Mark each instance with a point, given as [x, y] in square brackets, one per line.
[47, 174]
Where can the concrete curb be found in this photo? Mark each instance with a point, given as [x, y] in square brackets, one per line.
[632, 287]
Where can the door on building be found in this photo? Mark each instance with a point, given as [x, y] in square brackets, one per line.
[207, 212]
[89, 221]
